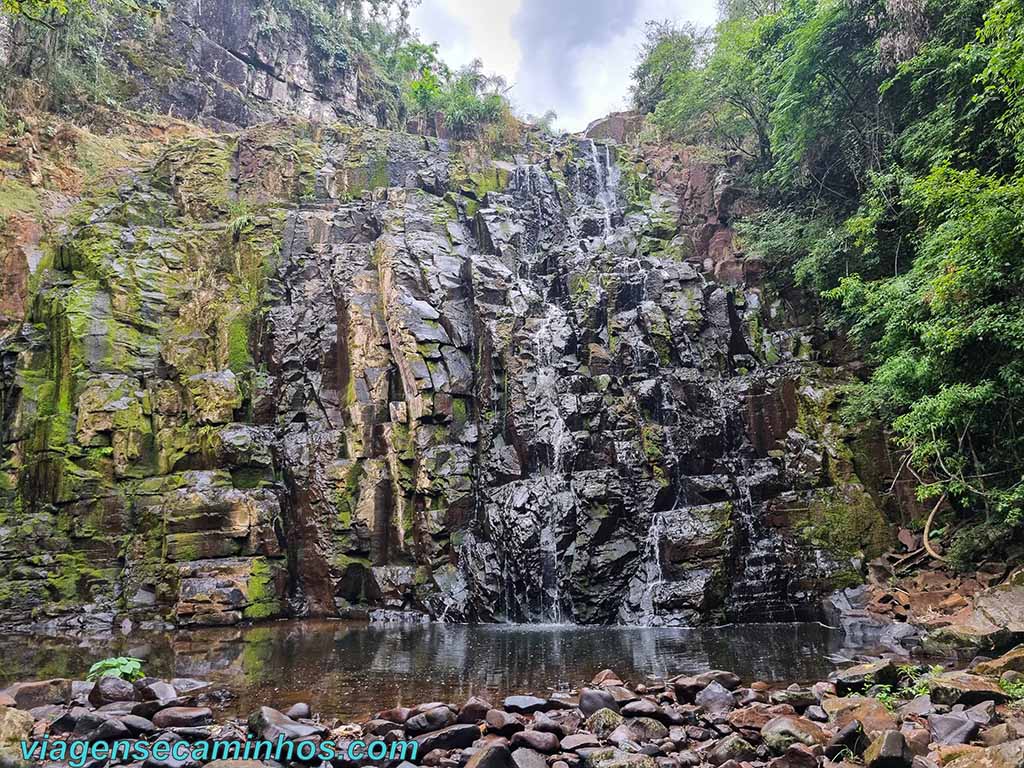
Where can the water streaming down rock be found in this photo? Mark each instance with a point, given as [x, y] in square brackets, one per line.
[534, 392]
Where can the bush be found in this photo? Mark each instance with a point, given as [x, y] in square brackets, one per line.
[124, 667]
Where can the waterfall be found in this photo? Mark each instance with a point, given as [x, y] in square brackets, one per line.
[604, 195]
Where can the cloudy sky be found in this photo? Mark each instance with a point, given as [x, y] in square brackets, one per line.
[573, 56]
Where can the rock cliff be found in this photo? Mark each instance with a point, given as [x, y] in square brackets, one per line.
[311, 368]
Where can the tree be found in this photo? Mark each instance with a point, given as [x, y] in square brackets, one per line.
[668, 51]
[545, 123]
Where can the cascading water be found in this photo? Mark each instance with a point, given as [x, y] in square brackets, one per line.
[625, 409]
[607, 175]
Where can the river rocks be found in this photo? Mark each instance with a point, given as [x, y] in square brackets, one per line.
[796, 697]
[527, 704]
[764, 735]
[992, 619]
[1002, 733]
[110, 730]
[616, 758]
[139, 726]
[503, 723]
[715, 698]
[594, 699]
[38, 694]
[474, 710]
[644, 707]
[1009, 755]
[639, 729]
[299, 711]
[537, 740]
[266, 723]
[603, 722]
[190, 717]
[732, 747]
[888, 750]
[15, 725]
[963, 688]
[453, 737]
[954, 728]
[108, 690]
[1012, 661]
[158, 690]
[491, 756]
[785, 730]
[528, 758]
[433, 719]
[870, 713]
[578, 741]
[752, 717]
[396, 714]
[856, 678]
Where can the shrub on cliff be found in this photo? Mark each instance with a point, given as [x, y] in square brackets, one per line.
[886, 142]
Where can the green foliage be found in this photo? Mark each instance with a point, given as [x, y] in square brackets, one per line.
[1014, 689]
[913, 682]
[799, 249]
[468, 99]
[544, 123]
[948, 338]
[124, 667]
[721, 97]
[668, 52]
[886, 142]
[68, 45]
[1004, 71]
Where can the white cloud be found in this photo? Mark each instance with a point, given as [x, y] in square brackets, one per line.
[472, 29]
[573, 56]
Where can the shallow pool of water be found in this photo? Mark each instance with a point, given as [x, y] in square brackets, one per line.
[348, 670]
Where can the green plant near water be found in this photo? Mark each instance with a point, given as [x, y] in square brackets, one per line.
[912, 682]
[124, 667]
[1014, 689]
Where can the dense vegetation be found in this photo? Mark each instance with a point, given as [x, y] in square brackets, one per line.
[77, 50]
[885, 138]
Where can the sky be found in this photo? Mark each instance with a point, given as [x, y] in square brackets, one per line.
[572, 56]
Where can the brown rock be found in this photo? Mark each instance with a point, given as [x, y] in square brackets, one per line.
[474, 710]
[538, 740]
[751, 718]
[963, 688]
[781, 732]
[870, 713]
[503, 723]
[579, 740]
[1010, 661]
[39, 693]
[109, 689]
[183, 717]
[888, 750]
[797, 756]
[606, 677]
[491, 756]
[395, 715]
[15, 726]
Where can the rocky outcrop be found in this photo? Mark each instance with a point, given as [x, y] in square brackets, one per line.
[240, 63]
[620, 127]
[319, 370]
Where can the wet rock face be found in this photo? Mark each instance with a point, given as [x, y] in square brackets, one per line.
[311, 371]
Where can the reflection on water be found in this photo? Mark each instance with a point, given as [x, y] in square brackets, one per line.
[348, 670]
